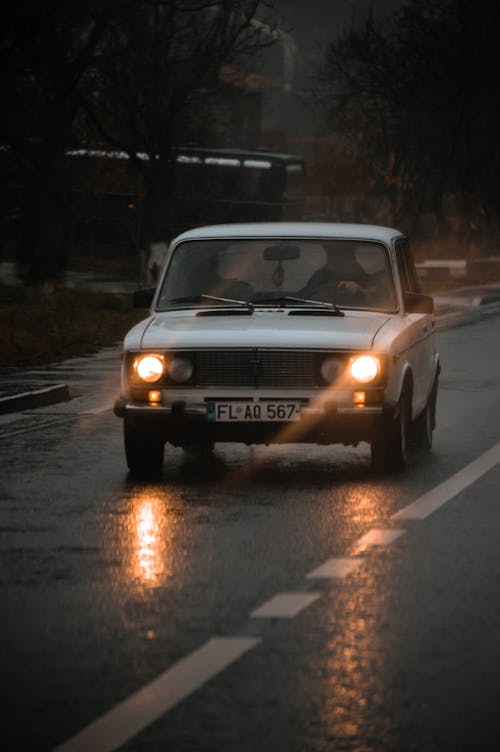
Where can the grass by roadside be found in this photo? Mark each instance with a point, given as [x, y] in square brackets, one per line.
[40, 326]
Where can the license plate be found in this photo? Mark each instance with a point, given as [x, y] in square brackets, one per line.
[252, 412]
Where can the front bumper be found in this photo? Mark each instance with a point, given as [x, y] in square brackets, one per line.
[181, 425]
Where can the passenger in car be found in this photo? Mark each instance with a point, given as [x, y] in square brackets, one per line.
[208, 280]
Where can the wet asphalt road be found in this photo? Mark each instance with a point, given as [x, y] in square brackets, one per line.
[107, 583]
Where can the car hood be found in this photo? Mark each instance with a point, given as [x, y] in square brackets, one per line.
[271, 329]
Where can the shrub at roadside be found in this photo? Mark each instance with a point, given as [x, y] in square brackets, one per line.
[45, 326]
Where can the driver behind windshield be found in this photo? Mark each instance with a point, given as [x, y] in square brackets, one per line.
[341, 273]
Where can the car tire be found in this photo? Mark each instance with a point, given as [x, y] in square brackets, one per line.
[425, 424]
[144, 453]
[389, 449]
[422, 430]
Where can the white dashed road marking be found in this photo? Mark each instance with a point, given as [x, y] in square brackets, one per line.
[377, 537]
[153, 700]
[429, 502]
[143, 707]
[335, 569]
[284, 606]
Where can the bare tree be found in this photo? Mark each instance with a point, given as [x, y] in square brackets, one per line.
[418, 95]
[161, 82]
[128, 72]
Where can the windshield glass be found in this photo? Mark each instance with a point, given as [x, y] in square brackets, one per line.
[354, 274]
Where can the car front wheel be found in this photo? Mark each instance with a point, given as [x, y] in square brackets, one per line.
[422, 429]
[389, 449]
[143, 451]
[425, 424]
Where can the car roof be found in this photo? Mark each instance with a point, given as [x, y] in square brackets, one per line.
[329, 230]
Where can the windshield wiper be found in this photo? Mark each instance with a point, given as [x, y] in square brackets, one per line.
[290, 300]
[193, 299]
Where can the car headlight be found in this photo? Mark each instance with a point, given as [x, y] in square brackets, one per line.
[180, 370]
[364, 368]
[149, 368]
[330, 370]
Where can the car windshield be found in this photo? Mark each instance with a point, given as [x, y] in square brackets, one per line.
[267, 272]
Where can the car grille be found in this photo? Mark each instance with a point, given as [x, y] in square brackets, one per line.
[255, 368]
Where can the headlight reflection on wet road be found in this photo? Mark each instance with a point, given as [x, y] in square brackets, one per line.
[366, 504]
[148, 565]
[149, 539]
[354, 688]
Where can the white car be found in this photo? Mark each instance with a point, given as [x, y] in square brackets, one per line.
[282, 332]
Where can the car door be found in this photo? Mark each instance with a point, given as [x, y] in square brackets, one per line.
[420, 329]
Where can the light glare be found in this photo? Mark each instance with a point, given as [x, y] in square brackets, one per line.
[364, 369]
[150, 368]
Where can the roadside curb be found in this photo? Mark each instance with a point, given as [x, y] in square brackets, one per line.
[479, 308]
[37, 398]
[489, 300]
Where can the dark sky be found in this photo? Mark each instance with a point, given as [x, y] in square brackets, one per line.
[315, 22]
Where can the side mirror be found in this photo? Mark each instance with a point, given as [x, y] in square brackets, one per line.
[143, 298]
[415, 302]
